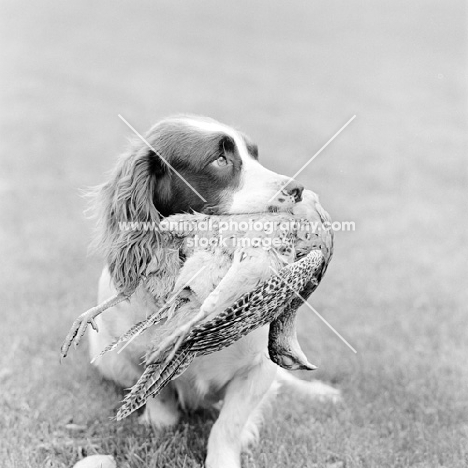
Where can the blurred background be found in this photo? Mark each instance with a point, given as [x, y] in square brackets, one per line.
[289, 74]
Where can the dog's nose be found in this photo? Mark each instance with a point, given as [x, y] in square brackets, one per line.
[294, 189]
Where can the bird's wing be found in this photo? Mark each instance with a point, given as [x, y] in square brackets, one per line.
[249, 267]
[326, 232]
[255, 308]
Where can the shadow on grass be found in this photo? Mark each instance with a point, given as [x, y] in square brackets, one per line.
[135, 445]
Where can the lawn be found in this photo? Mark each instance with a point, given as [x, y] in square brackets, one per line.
[289, 74]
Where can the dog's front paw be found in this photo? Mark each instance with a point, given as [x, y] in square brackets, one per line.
[312, 389]
[159, 414]
[321, 391]
[220, 461]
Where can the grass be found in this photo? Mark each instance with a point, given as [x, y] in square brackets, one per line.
[289, 74]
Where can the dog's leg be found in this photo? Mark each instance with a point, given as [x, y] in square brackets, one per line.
[124, 367]
[244, 394]
[251, 432]
[314, 389]
[112, 366]
[161, 411]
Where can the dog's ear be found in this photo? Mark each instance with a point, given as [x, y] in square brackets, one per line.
[128, 219]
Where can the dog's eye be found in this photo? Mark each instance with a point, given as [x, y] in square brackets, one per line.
[221, 161]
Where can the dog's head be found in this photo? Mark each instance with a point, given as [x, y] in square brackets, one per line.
[186, 164]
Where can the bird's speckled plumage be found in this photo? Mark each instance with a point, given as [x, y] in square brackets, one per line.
[269, 298]
[252, 310]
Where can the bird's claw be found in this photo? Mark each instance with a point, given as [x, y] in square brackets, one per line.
[78, 329]
[93, 323]
[80, 325]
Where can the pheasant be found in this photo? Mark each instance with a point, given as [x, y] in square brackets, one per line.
[272, 301]
[248, 284]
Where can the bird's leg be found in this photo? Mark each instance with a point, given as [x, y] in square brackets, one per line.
[80, 325]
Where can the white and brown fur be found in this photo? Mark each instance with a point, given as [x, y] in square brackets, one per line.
[221, 164]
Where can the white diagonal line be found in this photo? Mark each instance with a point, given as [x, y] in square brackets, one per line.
[165, 305]
[314, 156]
[317, 314]
[143, 139]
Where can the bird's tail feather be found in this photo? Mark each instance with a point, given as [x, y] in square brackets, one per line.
[153, 380]
[132, 333]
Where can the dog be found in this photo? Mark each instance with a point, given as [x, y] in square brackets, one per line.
[189, 163]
